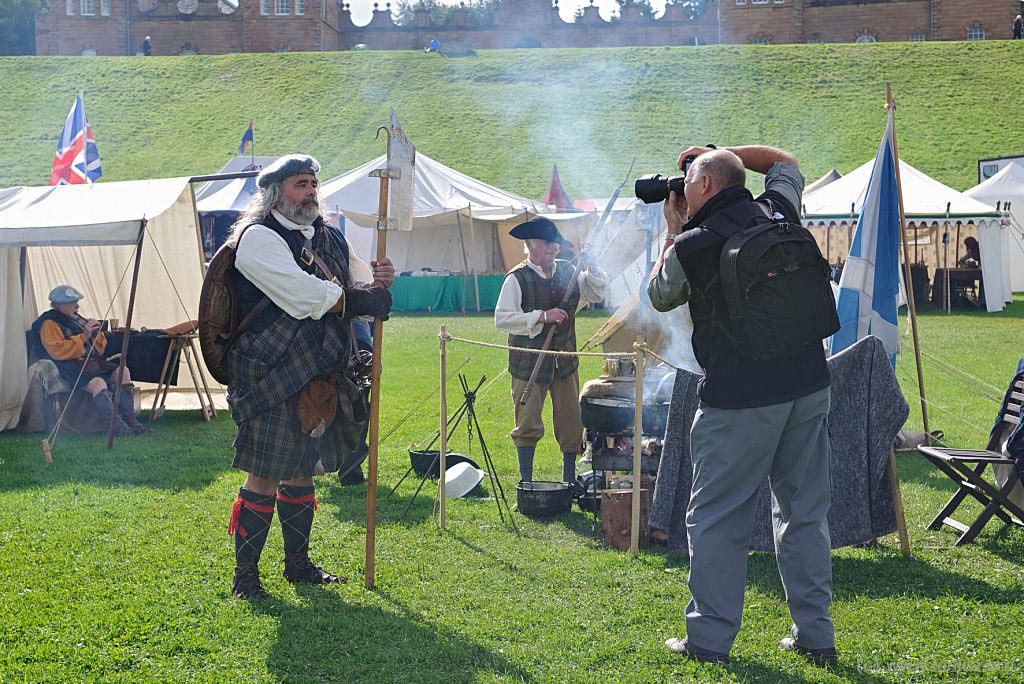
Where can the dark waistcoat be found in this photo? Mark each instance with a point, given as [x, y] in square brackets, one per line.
[543, 294]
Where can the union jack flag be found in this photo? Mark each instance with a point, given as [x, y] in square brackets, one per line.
[77, 159]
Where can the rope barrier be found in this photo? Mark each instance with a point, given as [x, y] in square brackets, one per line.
[449, 338]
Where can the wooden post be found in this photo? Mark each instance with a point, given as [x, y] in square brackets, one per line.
[476, 271]
[638, 432]
[127, 332]
[897, 502]
[891, 106]
[374, 428]
[444, 430]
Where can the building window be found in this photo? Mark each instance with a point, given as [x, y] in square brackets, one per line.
[88, 8]
[760, 39]
[815, 39]
[281, 7]
[105, 7]
[264, 7]
[975, 32]
[866, 38]
[71, 8]
[779, 2]
[88, 52]
[300, 7]
[758, 2]
[741, 2]
[916, 37]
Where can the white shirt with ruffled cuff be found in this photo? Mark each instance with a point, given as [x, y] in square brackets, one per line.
[509, 316]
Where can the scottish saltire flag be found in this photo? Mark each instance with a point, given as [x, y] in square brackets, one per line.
[77, 159]
[870, 285]
[247, 139]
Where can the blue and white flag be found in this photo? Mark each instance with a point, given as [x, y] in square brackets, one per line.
[869, 288]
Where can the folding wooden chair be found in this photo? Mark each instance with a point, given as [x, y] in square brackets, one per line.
[966, 468]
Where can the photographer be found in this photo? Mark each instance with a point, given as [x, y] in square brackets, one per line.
[756, 419]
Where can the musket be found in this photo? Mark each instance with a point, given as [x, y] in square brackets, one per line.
[528, 390]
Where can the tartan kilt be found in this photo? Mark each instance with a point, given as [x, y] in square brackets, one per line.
[268, 369]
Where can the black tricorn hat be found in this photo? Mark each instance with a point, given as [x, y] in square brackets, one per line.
[539, 228]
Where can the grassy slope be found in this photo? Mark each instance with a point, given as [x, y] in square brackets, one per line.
[506, 116]
[114, 566]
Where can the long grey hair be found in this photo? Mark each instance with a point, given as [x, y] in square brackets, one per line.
[259, 208]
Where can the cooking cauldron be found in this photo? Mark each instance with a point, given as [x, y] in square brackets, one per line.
[614, 415]
[422, 460]
[544, 499]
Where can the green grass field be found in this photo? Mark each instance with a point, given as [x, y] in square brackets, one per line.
[115, 565]
[507, 116]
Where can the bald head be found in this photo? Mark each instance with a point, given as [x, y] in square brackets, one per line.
[723, 168]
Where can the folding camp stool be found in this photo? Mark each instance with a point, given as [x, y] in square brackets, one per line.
[183, 344]
[966, 468]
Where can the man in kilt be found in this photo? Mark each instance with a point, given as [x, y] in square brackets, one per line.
[291, 393]
[529, 301]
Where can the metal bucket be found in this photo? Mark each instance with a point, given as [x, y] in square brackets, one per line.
[544, 499]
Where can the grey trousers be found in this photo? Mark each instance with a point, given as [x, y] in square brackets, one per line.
[733, 451]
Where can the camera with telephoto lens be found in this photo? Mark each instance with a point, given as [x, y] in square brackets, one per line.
[654, 187]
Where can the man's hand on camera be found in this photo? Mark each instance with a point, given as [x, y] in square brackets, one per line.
[691, 152]
[367, 301]
[675, 214]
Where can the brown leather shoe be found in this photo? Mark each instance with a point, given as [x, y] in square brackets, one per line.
[246, 584]
[299, 569]
[821, 657]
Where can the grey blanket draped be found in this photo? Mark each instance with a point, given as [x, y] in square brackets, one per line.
[868, 409]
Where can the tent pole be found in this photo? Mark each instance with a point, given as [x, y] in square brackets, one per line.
[891, 105]
[472, 243]
[127, 333]
[465, 263]
[897, 503]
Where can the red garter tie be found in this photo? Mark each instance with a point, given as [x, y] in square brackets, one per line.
[299, 499]
[236, 514]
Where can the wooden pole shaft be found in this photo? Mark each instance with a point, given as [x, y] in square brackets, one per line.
[638, 431]
[476, 271]
[906, 268]
[897, 502]
[444, 430]
[127, 333]
[374, 427]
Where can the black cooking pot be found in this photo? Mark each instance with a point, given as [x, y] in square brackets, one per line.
[613, 415]
[544, 499]
[422, 460]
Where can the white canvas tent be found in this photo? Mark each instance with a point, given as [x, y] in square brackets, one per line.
[458, 221]
[829, 177]
[931, 208]
[233, 165]
[85, 235]
[1007, 186]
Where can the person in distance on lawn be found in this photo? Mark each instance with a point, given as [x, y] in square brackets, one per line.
[756, 419]
[528, 303]
[290, 368]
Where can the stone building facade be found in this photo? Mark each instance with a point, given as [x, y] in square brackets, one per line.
[118, 27]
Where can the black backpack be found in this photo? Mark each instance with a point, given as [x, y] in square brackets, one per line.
[777, 289]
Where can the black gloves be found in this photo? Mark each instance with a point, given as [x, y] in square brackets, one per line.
[367, 301]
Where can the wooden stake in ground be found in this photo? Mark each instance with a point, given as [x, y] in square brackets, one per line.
[443, 448]
[897, 502]
[400, 161]
[638, 432]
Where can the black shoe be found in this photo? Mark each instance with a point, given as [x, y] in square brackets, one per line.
[352, 477]
[822, 657]
[299, 569]
[695, 653]
[246, 584]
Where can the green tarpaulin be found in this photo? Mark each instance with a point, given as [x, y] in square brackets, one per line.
[444, 293]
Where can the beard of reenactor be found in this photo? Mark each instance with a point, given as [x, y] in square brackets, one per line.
[291, 392]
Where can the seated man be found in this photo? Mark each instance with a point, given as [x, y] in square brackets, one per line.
[972, 257]
[75, 344]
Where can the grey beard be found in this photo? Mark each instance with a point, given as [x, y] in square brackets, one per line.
[303, 214]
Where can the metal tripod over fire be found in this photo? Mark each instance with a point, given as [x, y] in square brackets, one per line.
[394, 212]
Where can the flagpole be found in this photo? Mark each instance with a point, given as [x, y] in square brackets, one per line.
[891, 106]
[85, 135]
[252, 145]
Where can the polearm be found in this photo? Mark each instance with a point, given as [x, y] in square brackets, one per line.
[528, 390]
[399, 150]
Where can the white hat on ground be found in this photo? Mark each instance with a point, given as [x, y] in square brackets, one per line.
[461, 479]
